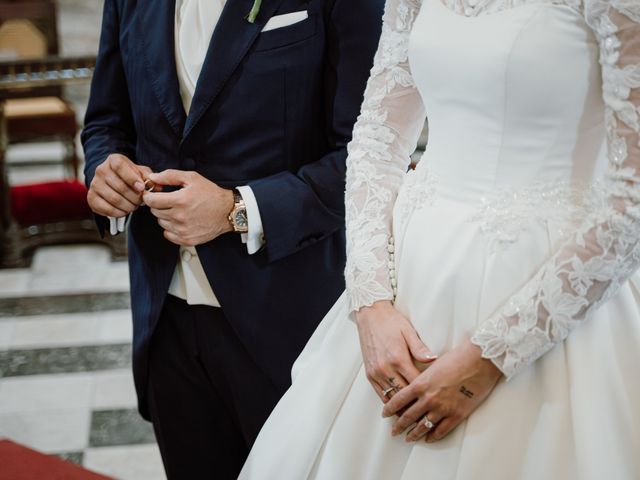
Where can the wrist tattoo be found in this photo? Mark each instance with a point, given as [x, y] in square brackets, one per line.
[466, 392]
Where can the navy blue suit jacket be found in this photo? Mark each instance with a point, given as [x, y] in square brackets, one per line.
[272, 110]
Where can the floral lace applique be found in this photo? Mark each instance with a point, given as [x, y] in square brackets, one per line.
[561, 206]
[473, 8]
[385, 135]
[418, 190]
[605, 250]
[587, 270]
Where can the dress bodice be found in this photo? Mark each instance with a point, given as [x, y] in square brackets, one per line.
[513, 97]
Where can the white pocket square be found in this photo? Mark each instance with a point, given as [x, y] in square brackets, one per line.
[280, 21]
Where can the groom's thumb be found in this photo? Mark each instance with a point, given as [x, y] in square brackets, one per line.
[419, 351]
[176, 178]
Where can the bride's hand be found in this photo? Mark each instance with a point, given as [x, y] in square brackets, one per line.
[390, 348]
[445, 394]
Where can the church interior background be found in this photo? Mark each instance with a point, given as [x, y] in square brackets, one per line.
[66, 389]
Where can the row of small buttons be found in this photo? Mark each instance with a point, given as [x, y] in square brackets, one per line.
[391, 248]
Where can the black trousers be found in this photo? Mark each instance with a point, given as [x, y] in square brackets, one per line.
[208, 399]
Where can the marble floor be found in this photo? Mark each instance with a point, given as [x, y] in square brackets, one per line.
[65, 380]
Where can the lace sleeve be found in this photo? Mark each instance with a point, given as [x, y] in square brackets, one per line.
[384, 137]
[605, 251]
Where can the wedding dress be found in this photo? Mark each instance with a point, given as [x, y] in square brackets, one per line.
[520, 229]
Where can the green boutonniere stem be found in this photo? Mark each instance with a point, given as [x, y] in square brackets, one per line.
[253, 14]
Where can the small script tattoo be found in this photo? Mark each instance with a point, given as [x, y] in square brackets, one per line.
[466, 392]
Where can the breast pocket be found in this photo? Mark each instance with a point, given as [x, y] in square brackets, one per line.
[278, 32]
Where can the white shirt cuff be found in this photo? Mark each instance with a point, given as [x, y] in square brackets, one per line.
[255, 237]
[116, 225]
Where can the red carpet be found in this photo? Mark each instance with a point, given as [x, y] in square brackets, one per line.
[20, 463]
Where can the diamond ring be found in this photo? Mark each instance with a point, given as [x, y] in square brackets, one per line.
[428, 423]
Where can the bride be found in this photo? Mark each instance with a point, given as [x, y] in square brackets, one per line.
[512, 252]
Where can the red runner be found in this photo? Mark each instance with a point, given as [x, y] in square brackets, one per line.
[21, 463]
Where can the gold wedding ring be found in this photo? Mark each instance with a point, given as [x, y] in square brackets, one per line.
[149, 186]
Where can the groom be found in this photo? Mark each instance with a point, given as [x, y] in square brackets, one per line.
[236, 243]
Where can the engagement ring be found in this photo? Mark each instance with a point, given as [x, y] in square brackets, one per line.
[428, 423]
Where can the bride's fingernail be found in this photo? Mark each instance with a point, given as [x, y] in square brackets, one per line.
[432, 356]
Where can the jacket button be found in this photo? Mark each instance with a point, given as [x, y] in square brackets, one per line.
[187, 255]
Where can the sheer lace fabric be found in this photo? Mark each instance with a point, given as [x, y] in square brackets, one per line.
[605, 251]
[587, 270]
[385, 135]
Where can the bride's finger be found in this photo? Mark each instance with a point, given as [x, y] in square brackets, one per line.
[379, 389]
[412, 415]
[442, 429]
[418, 349]
[401, 400]
[409, 371]
[396, 383]
[389, 386]
[423, 426]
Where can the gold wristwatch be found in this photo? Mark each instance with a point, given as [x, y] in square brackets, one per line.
[238, 215]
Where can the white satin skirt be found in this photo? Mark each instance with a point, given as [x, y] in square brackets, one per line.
[574, 414]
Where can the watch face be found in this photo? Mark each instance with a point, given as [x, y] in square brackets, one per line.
[241, 219]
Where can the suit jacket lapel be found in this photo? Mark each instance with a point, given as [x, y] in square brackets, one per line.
[231, 40]
[157, 30]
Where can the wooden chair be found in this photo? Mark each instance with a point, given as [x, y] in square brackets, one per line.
[28, 31]
[54, 212]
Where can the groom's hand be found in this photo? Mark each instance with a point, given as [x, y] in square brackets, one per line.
[116, 189]
[193, 215]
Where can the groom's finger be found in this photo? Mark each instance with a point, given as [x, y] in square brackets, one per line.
[127, 171]
[176, 178]
[167, 226]
[118, 185]
[176, 239]
[104, 191]
[161, 214]
[102, 207]
[161, 200]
